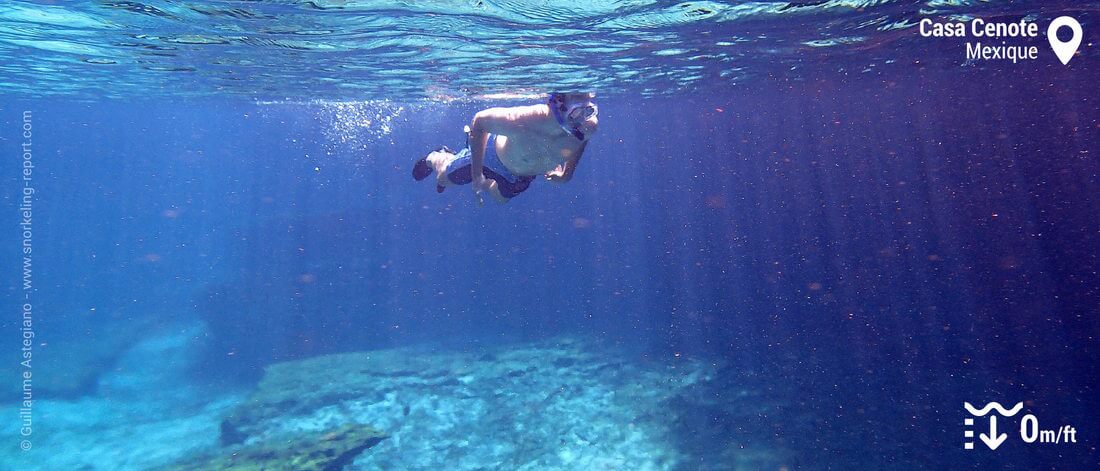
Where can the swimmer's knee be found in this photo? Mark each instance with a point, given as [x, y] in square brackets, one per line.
[494, 191]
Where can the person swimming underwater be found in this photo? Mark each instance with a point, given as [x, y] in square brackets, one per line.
[507, 148]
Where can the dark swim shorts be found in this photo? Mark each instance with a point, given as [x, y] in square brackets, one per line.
[509, 184]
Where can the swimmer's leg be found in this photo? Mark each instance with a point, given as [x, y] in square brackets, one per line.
[445, 166]
[423, 167]
[494, 191]
[436, 161]
[453, 169]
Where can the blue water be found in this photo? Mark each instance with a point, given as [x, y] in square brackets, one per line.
[846, 229]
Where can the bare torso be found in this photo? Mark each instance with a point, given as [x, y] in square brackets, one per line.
[541, 147]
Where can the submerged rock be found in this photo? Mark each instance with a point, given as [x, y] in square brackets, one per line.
[318, 451]
[300, 388]
[556, 404]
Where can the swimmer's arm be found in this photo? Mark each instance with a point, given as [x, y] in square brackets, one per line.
[564, 172]
[571, 165]
[506, 121]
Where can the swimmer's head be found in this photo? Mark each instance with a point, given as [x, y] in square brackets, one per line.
[576, 113]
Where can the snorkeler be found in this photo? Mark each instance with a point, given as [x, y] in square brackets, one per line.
[507, 148]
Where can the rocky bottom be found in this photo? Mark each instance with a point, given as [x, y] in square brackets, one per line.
[559, 404]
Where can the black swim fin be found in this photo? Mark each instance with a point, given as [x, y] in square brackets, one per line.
[421, 169]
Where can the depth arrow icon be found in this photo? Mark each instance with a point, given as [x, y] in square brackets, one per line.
[992, 440]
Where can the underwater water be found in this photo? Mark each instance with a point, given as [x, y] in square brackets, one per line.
[804, 236]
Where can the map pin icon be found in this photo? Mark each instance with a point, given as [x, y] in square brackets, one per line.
[1066, 49]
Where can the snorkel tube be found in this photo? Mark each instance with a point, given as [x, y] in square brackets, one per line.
[556, 102]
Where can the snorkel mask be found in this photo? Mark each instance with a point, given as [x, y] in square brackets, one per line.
[571, 118]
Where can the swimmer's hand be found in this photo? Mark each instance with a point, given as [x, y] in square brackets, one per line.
[481, 184]
[489, 186]
[478, 184]
[557, 175]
